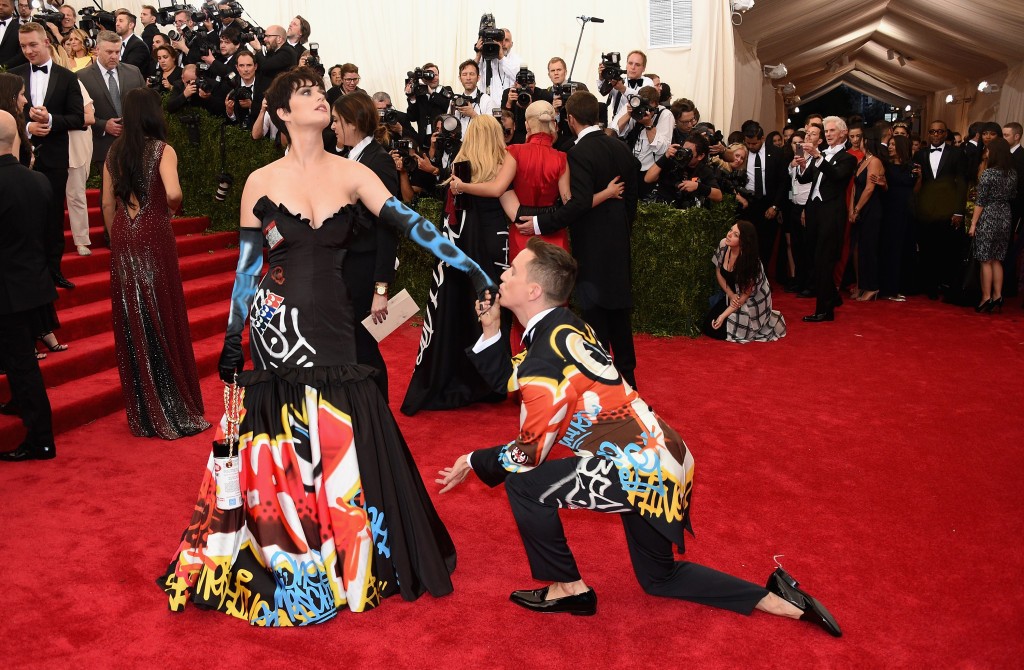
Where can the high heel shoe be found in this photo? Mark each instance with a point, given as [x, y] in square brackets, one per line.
[997, 305]
[50, 340]
[867, 295]
[984, 307]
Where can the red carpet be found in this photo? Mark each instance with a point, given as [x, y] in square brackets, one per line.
[880, 454]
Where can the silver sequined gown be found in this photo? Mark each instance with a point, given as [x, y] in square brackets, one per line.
[151, 334]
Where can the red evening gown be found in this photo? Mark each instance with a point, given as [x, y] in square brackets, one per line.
[151, 334]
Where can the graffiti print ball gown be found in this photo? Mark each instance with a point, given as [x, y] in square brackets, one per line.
[336, 514]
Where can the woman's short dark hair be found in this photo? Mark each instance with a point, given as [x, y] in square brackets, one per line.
[553, 268]
[143, 119]
[999, 155]
[169, 49]
[280, 92]
[358, 109]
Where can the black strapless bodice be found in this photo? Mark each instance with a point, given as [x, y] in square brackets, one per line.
[301, 316]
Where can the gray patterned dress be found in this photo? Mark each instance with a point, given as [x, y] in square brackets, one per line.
[996, 189]
[755, 321]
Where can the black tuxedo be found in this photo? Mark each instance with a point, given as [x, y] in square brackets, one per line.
[942, 195]
[136, 53]
[775, 182]
[826, 222]
[10, 48]
[273, 63]
[94, 78]
[25, 286]
[63, 101]
[425, 109]
[371, 259]
[147, 35]
[601, 240]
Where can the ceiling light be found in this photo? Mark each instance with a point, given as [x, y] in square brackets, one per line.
[907, 108]
[982, 86]
[949, 98]
[775, 71]
[796, 109]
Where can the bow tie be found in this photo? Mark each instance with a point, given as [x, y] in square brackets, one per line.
[939, 149]
[41, 68]
[634, 83]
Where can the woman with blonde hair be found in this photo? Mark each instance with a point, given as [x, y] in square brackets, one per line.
[79, 56]
[444, 378]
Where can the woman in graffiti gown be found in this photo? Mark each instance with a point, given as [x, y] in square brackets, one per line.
[334, 514]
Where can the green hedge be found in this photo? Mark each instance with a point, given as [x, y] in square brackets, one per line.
[672, 249]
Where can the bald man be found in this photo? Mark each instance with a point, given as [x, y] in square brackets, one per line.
[25, 286]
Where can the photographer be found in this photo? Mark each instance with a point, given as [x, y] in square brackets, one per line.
[561, 89]
[197, 89]
[243, 103]
[617, 87]
[191, 42]
[273, 57]
[297, 35]
[167, 72]
[475, 102]
[424, 105]
[683, 175]
[648, 129]
[223, 66]
[517, 98]
[686, 116]
[334, 76]
[498, 66]
[396, 122]
[133, 50]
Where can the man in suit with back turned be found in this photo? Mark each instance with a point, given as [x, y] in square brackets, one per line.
[601, 235]
[54, 107]
[108, 81]
[25, 285]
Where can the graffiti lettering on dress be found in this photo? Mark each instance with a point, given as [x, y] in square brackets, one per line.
[282, 339]
[303, 593]
[650, 503]
[380, 533]
[228, 590]
[427, 334]
[271, 302]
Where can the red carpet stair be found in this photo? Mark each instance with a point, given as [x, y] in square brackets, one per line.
[83, 382]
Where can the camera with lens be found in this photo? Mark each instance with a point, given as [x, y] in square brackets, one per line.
[682, 158]
[94, 20]
[491, 37]
[407, 150]
[449, 137]
[155, 81]
[442, 97]
[233, 10]
[56, 18]
[241, 93]
[713, 136]
[165, 15]
[204, 82]
[461, 100]
[419, 78]
[252, 33]
[612, 71]
[313, 61]
[387, 116]
[563, 91]
[638, 106]
[524, 78]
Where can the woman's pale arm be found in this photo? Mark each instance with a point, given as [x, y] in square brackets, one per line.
[90, 114]
[169, 176]
[563, 185]
[107, 201]
[489, 189]
[510, 204]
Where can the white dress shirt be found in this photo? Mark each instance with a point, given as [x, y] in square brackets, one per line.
[826, 155]
[358, 149]
[935, 157]
[484, 106]
[752, 169]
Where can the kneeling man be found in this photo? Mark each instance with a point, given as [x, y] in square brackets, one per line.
[626, 459]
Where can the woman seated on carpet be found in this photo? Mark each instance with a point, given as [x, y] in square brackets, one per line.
[744, 313]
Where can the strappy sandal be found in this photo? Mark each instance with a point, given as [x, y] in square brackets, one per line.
[55, 347]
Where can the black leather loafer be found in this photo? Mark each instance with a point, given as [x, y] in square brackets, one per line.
[61, 281]
[806, 293]
[819, 317]
[8, 409]
[29, 452]
[581, 604]
[784, 586]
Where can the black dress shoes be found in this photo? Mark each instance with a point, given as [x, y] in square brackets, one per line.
[581, 604]
[784, 586]
[29, 452]
[820, 316]
[806, 293]
[62, 281]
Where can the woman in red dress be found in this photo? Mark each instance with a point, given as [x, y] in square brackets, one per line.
[539, 177]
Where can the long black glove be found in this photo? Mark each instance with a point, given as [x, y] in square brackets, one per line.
[247, 277]
[411, 224]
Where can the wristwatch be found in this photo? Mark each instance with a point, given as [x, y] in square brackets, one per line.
[380, 288]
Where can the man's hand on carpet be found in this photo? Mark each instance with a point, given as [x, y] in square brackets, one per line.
[455, 475]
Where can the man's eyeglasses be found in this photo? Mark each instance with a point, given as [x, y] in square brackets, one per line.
[351, 80]
[935, 132]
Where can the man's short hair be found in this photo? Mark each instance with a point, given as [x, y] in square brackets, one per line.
[132, 19]
[650, 94]
[232, 34]
[838, 120]
[700, 143]
[151, 8]
[553, 268]
[108, 36]
[243, 53]
[381, 96]
[1014, 127]
[682, 105]
[469, 62]
[752, 128]
[33, 27]
[637, 51]
[428, 66]
[974, 129]
[558, 59]
[583, 107]
[330, 71]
